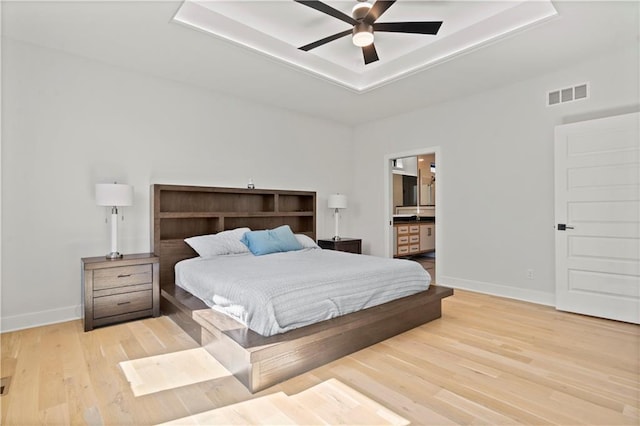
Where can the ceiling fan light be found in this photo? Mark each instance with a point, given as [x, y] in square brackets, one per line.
[362, 35]
[362, 39]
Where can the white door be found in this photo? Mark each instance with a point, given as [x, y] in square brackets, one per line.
[597, 202]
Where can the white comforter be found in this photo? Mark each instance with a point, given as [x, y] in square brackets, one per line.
[278, 292]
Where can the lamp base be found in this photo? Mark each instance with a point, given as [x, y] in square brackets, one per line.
[114, 255]
[336, 238]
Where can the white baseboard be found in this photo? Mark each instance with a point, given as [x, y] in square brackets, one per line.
[526, 295]
[35, 319]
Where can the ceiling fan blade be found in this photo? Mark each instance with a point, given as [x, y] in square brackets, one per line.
[325, 40]
[324, 8]
[409, 27]
[370, 54]
[376, 11]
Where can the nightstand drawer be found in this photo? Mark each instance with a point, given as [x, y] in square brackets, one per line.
[414, 238]
[414, 229]
[403, 240]
[122, 289]
[403, 249]
[122, 276]
[117, 304]
[403, 229]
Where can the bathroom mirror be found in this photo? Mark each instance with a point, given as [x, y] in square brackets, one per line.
[414, 181]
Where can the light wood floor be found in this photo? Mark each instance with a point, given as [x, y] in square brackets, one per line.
[488, 360]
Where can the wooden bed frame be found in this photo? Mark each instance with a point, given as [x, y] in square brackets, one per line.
[259, 362]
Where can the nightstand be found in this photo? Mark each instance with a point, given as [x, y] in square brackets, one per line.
[351, 245]
[116, 290]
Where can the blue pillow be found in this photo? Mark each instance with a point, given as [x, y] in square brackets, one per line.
[268, 241]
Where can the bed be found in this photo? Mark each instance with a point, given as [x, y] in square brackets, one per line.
[275, 293]
[260, 361]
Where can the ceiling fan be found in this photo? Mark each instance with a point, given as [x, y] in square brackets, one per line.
[363, 18]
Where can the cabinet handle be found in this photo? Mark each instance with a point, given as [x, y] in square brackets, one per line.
[124, 275]
[123, 303]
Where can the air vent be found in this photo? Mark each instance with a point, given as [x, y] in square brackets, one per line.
[569, 94]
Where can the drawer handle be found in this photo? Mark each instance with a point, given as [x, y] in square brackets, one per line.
[123, 303]
[124, 275]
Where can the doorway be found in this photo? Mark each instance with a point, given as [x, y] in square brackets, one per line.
[413, 203]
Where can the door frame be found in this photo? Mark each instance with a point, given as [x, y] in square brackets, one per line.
[388, 197]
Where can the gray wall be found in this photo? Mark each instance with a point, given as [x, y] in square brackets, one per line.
[495, 174]
[71, 122]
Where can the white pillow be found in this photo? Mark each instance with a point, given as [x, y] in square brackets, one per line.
[225, 242]
[306, 241]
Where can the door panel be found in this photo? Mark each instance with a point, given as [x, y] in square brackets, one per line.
[607, 212]
[599, 283]
[597, 195]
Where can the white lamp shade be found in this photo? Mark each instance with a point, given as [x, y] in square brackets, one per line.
[337, 201]
[114, 194]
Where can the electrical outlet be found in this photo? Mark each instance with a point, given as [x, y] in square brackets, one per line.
[529, 274]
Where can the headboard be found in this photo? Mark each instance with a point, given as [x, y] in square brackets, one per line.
[181, 211]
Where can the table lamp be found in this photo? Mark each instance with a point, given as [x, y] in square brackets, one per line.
[114, 195]
[337, 202]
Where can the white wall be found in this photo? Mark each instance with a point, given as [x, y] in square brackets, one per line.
[70, 122]
[495, 174]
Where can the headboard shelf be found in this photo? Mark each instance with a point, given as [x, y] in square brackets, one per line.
[181, 212]
[213, 199]
[191, 215]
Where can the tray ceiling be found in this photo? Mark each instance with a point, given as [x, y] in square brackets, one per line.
[141, 36]
[278, 28]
